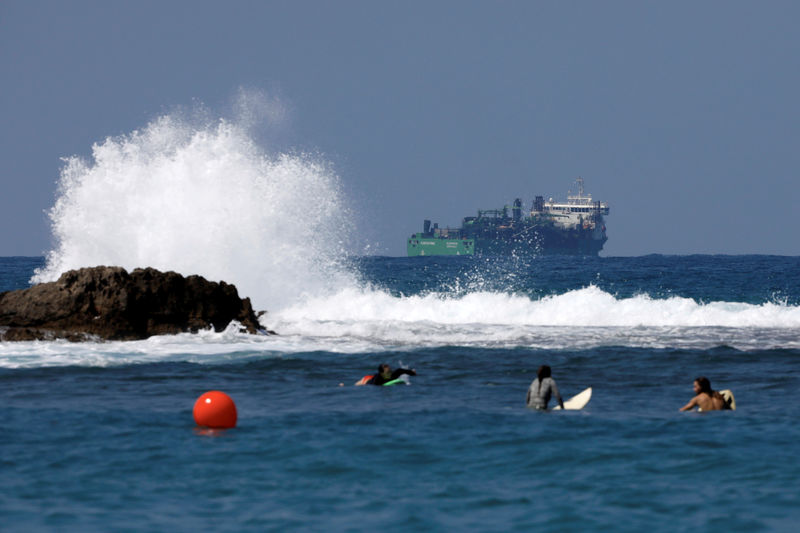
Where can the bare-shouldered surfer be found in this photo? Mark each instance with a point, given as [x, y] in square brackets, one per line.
[705, 399]
[542, 389]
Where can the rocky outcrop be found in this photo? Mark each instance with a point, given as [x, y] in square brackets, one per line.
[109, 303]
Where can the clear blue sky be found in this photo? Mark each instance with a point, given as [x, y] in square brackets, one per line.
[684, 116]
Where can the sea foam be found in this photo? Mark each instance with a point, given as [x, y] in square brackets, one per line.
[587, 307]
[581, 318]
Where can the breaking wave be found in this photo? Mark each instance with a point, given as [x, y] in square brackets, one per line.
[200, 196]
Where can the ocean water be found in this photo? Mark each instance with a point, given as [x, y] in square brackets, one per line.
[100, 436]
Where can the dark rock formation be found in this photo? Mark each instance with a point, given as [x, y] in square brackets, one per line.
[108, 303]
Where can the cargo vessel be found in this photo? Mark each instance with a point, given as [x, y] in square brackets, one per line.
[575, 227]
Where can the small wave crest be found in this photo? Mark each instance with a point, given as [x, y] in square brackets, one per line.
[583, 318]
[587, 307]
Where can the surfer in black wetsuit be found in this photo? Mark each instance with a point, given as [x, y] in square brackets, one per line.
[542, 389]
[385, 374]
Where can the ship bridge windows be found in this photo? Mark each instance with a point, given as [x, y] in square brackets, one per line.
[571, 209]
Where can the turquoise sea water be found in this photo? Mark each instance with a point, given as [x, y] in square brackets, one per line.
[100, 436]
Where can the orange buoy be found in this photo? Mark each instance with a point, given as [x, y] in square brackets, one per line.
[215, 409]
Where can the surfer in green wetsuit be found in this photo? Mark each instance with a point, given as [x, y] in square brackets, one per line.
[385, 374]
[542, 389]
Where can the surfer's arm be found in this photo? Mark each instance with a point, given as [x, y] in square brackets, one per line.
[400, 371]
[692, 403]
[558, 394]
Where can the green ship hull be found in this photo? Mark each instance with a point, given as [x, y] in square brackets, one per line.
[421, 245]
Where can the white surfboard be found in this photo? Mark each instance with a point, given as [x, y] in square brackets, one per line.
[578, 401]
[730, 401]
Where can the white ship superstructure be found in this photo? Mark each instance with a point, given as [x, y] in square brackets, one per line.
[579, 211]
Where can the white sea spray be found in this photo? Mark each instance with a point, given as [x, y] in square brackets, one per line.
[200, 196]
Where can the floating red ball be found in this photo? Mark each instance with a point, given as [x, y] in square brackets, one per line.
[215, 409]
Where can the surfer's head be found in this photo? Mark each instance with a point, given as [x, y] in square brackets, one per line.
[544, 372]
[702, 384]
[384, 370]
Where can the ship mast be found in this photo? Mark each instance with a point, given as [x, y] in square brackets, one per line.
[580, 198]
